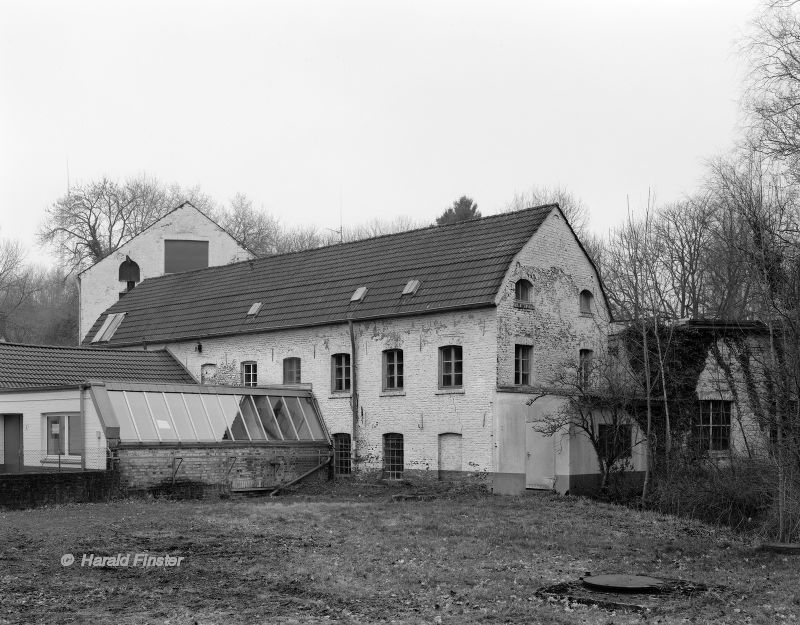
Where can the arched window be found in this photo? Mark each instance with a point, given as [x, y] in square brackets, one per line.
[523, 291]
[585, 299]
[129, 273]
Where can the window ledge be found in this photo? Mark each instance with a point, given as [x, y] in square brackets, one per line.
[516, 388]
[342, 395]
[586, 314]
[523, 305]
[392, 393]
[450, 391]
[64, 460]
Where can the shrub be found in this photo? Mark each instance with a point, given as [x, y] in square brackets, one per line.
[734, 492]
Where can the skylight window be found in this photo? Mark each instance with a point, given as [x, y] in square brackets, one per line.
[411, 287]
[254, 309]
[110, 325]
[359, 295]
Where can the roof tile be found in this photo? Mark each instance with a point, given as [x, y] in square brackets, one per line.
[459, 266]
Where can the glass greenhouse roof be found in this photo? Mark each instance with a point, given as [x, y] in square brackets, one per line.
[148, 413]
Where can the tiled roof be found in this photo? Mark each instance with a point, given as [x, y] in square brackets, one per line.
[459, 266]
[40, 366]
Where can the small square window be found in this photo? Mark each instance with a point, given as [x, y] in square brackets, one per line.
[64, 435]
[714, 426]
[249, 374]
[291, 371]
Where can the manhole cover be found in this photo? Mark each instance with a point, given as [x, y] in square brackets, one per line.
[618, 582]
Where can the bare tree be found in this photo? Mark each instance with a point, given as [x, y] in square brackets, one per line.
[574, 209]
[599, 396]
[94, 219]
[256, 230]
[772, 97]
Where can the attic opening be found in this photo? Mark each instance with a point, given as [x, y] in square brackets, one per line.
[129, 274]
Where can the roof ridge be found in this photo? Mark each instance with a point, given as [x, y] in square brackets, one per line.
[106, 350]
[350, 243]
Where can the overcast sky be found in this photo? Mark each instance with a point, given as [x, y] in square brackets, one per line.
[391, 108]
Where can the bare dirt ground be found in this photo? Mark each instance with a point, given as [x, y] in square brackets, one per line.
[349, 553]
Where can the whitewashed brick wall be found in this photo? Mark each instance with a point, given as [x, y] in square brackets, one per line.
[420, 414]
[100, 286]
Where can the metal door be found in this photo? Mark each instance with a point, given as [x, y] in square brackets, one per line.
[12, 443]
[540, 459]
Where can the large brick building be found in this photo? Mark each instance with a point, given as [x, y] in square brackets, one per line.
[422, 347]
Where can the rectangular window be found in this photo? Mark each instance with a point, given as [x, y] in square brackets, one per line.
[64, 435]
[340, 373]
[392, 369]
[522, 364]
[249, 374]
[615, 440]
[342, 458]
[291, 371]
[714, 428]
[450, 367]
[393, 461]
[185, 255]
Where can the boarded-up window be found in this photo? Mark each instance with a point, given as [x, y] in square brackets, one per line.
[185, 255]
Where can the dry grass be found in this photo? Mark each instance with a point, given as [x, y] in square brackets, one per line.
[466, 558]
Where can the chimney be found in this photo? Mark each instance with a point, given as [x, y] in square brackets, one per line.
[3, 319]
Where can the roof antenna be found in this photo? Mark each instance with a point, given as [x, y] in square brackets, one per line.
[340, 231]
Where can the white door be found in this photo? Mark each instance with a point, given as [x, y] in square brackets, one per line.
[540, 459]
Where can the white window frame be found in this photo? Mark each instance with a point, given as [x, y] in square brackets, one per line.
[64, 419]
[252, 373]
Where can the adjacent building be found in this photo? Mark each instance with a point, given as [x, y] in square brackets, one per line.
[182, 240]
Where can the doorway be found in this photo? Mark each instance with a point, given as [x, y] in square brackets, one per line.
[449, 454]
[12, 443]
[540, 459]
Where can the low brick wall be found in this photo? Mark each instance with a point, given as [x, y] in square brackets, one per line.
[26, 490]
[215, 467]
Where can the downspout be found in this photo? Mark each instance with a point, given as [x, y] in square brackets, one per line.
[353, 390]
[81, 390]
[80, 293]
